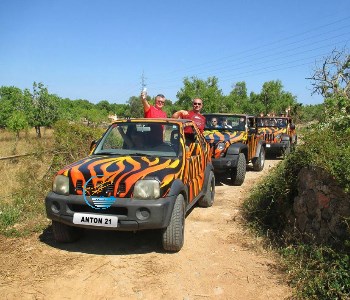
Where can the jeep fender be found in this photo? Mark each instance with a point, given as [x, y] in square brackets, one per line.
[260, 144]
[176, 188]
[236, 149]
[285, 138]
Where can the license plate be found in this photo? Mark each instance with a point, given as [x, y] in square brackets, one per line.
[268, 145]
[95, 220]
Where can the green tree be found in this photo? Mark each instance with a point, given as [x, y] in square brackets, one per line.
[135, 107]
[44, 110]
[104, 105]
[12, 99]
[208, 91]
[16, 122]
[238, 101]
[272, 99]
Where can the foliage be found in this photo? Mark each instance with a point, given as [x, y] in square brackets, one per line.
[72, 142]
[272, 99]
[311, 113]
[17, 122]
[44, 109]
[208, 91]
[135, 108]
[25, 214]
[318, 272]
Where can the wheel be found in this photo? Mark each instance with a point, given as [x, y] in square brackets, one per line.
[173, 235]
[287, 149]
[258, 162]
[238, 173]
[64, 233]
[208, 198]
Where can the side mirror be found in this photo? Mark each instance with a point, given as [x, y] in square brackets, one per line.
[93, 145]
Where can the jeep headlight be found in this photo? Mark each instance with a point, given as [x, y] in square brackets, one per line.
[147, 189]
[220, 146]
[61, 185]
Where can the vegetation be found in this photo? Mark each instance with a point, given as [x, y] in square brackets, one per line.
[22, 211]
[317, 271]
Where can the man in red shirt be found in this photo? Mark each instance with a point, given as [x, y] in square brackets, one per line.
[193, 114]
[156, 110]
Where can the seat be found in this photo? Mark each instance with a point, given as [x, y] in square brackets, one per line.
[174, 140]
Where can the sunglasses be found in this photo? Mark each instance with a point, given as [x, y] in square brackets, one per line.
[197, 103]
[160, 101]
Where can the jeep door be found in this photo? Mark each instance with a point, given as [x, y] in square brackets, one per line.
[195, 164]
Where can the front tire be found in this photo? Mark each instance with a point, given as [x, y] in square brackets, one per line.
[64, 233]
[259, 162]
[173, 235]
[238, 173]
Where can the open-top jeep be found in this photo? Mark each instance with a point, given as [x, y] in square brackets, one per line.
[142, 174]
[279, 134]
[234, 142]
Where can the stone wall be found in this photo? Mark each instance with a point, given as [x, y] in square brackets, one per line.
[321, 211]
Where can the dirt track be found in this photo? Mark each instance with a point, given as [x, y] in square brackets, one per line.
[220, 260]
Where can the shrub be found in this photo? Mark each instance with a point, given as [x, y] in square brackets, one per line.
[72, 142]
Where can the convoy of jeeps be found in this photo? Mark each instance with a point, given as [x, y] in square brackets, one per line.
[149, 173]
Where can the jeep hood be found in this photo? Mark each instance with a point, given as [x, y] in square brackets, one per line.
[223, 136]
[274, 130]
[120, 173]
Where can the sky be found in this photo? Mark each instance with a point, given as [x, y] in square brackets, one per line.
[105, 49]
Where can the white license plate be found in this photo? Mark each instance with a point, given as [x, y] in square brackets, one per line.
[268, 145]
[95, 220]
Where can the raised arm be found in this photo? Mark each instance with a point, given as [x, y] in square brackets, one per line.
[144, 101]
[180, 114]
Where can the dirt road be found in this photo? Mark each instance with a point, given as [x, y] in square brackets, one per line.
[220, 260]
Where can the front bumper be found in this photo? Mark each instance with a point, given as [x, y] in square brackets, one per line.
[276, 147]
[222, 164]
[132, 214]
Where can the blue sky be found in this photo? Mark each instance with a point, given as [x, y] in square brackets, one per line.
[98, 50]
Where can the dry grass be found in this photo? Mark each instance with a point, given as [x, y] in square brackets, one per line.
[11, 169]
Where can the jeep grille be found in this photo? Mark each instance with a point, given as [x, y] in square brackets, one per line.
[103, 190]
[269, 137]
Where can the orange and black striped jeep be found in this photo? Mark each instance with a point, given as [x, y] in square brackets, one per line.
[234, 142]
[279, 134]
[141, 174]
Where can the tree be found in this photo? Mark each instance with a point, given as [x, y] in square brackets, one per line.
[237, 101]
[135, 107]
[44, 110]
[208, 91]
[17, 122]
[332, 81]
[272, 99]
[104, 105]
[12, 99]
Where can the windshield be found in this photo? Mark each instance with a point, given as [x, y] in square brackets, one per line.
[272, 122]
[225, 122]
[156, 139]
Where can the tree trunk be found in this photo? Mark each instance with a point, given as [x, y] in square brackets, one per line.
[38, 132]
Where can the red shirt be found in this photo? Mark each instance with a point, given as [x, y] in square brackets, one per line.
[196, 118]
[154, 112]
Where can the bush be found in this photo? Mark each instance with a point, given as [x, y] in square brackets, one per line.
[72, 142]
